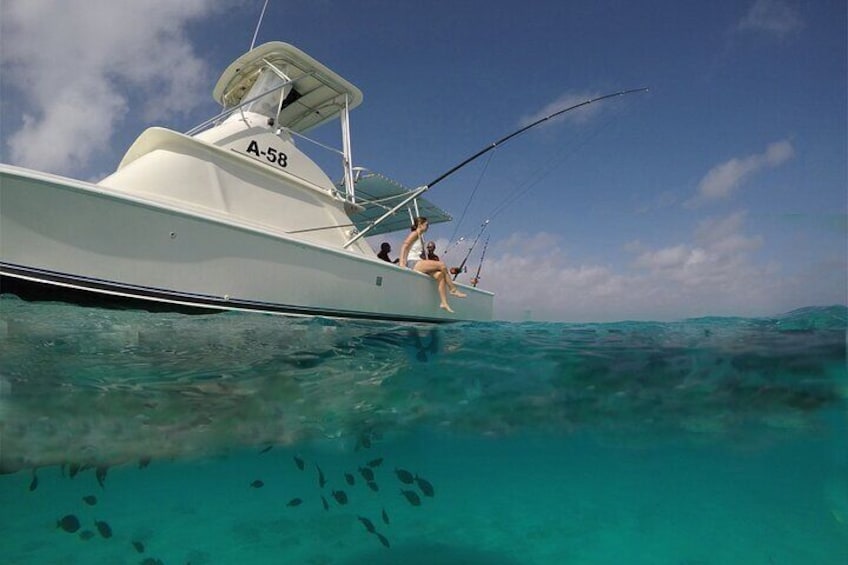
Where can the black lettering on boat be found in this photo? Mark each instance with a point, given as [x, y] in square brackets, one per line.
[271, 154]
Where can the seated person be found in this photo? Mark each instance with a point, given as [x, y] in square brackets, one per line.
[410, 256]
[431, 251]
[385, 249]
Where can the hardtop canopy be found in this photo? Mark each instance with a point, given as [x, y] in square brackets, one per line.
[376, 194]
[319, 93]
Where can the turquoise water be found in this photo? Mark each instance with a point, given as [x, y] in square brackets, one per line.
[706, 441]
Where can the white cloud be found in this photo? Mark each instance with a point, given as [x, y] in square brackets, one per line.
[724, 235]
[75, 63]
[717, 258]
[776, 17]
[712, 274]
[722, 180]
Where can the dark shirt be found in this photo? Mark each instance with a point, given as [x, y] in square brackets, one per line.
[384, 255]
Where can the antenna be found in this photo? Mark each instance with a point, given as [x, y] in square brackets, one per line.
[259, 23]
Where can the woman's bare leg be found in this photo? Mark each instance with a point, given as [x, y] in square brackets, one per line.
[434, 269]
[443, 295]
[453, 290]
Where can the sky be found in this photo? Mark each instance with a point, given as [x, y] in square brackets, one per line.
[722, 191]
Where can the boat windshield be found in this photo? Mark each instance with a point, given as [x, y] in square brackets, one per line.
[269, 104]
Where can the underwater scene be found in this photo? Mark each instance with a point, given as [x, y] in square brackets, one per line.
[131, 437]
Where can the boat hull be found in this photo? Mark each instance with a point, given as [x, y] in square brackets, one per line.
[67, 240]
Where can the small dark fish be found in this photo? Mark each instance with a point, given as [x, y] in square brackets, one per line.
[340, 496]
[139, 547]
[299, 462]
[412, 497]
[100, 473]
[69, 523]
[368, 524]
[294, 502]
[325, 503]
[349, 478]
[404, 476]
[86, 535]
[373, 486]
[257, 484]
[267, 449]
[143, 462]
[425, 486]
[73, 469]
[375, 462]
[91, 500]
[385, 517]
[103, 528]
[366, 473]
[383, 539]
[151, 561]
[321, 480]
[34, 484]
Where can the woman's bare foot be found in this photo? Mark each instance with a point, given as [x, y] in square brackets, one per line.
[446, 307]
[455, 292]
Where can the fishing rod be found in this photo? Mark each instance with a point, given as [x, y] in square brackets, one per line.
[519, 131]
[457, 270]
[476, 278]
[424, 188]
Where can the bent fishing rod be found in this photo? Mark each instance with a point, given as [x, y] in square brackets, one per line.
[424, 188]
[519, 131]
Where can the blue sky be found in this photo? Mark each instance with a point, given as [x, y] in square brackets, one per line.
[722, 191]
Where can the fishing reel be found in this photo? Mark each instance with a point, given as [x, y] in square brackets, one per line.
[457, 270]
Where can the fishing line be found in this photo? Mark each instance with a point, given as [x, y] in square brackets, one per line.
[555, 162]
[451, 246]
[506, 138]
[521, 130]
[471, 198]
[471, 249]
[569, 151]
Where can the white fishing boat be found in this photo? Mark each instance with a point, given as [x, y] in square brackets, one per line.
[232, 215]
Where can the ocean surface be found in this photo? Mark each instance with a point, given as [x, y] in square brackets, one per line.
[140, 438]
